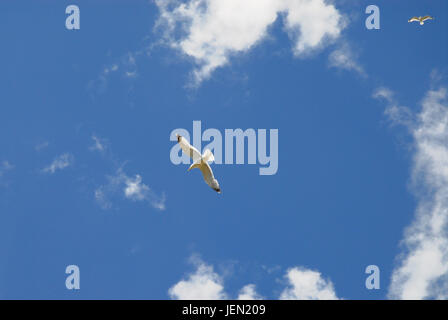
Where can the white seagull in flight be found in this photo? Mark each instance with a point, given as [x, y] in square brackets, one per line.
[421, 19]
[200, 162]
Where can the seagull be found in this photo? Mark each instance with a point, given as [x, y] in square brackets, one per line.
[421, 19]
[200, 161]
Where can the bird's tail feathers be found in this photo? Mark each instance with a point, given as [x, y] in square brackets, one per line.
[208, 156]
[196, 164]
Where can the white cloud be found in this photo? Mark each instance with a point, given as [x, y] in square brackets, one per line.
[61, 162]
[305, 284]
[131, 188]
[203, 284]
[135, 189]
[248, 292]
[344, 58]
[210, 31]
[311, 22]
[422, 270]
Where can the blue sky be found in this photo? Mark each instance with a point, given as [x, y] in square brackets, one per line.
[341, 199]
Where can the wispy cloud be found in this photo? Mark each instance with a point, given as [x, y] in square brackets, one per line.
[41, 146]
[101, 197]
[129, 63]
[98, 144]
[4, 167]
[131, 188]
[211, 31]
[59, 163]
[397, 114]
[99, 85]
[204, 284]
[384, 93]
[422, 270]
[126, 66]
[112, 68]
[120, 184]
[343, 57]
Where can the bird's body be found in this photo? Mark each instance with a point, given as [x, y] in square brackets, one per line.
[200, 162]
[421, 19]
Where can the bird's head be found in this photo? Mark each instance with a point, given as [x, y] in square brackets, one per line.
[178, 137]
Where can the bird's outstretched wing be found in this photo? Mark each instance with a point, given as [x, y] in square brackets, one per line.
[427, 18]
[188, 148]
[208, 176]
[414, 19]
[200, 162]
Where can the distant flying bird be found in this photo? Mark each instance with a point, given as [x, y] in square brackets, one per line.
[200, 161]
[421, 19]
